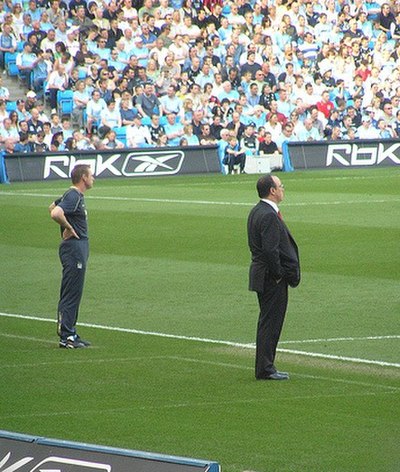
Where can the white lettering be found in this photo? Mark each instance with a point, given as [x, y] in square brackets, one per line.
[50, 165]
[107, 164]
[332, 154]
[356, 160]
[389, 153]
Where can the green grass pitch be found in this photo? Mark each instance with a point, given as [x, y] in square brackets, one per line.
[169, 257]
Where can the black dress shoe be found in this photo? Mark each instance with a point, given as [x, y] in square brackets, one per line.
[278, 376]
[275, 376]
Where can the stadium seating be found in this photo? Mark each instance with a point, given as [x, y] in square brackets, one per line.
[121, 134]
[65, 102]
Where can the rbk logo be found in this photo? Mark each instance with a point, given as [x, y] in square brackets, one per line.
[52, 464]
[127, 165]
[156, 163]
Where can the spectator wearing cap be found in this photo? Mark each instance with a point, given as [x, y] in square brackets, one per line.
[141, 51]
[367, 130]
[31, 100]
[72, 41]
[328, 80]
[137, 134]
[23, 114]
[39, 144]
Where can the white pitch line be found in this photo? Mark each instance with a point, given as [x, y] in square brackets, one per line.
[207, 202]
[330, 340]
[212, 341]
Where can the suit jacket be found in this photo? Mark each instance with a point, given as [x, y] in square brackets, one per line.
[274, 252]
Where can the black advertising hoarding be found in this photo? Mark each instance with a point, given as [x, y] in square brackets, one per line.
[22, 453]
[117, 163]
[344, 154]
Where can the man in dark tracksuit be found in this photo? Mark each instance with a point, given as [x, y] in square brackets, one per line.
[69, 212]
[274, 266]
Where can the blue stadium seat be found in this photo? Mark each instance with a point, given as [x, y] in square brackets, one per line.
[146, 121]
[65, 102]
[11, 106]
[10, 64]
[12, 69]
[121, 134]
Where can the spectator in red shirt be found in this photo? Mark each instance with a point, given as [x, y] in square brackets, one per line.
[325, 106]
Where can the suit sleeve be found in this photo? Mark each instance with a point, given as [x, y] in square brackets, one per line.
[270, 238]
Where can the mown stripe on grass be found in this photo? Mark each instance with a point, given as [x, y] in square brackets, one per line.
[206, 202]
[213, 341]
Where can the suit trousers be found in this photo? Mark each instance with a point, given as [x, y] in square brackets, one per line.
[73, 255]
[273, 304]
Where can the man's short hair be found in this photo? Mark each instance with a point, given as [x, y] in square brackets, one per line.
[264, 185]
[78, 172]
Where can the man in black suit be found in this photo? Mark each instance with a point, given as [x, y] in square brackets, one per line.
[274, 266]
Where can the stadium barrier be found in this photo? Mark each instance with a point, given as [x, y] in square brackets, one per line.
[116, 163]
[197, 160]
[33, 453]
[344, 154]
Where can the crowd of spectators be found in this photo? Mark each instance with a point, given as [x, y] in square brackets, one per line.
[247, 75]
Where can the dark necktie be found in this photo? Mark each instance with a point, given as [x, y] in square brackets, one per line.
[280, 215]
